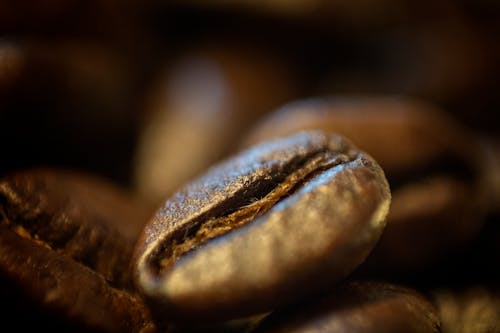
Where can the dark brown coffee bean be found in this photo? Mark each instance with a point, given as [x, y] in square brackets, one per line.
[427, 219]
[66, 241]
[360, 307]
[73, 292]
[470, 310]
[11, 66]
[402, 134]
[80, 216]
[432, 163]
[492, 171]
[274, 223]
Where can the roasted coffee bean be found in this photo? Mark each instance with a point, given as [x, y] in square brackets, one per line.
[402, 134]
[66, 240]
[360, 307]
[11, 66]
[66, 290]
[427, 220]
[432, 163]
[492, 171]
[469, 310]
[274, 223]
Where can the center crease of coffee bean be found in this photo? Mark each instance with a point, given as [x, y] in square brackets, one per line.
[27, 230]
[53, 233]
[255, 203]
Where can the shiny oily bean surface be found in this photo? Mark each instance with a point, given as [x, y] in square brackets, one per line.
[271, 224]
[434, 167]
[361, 307]
[66, 241]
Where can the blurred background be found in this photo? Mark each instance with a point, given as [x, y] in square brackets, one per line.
[150, 93]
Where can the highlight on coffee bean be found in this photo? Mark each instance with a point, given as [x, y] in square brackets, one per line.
[242, 239]
[250, 166]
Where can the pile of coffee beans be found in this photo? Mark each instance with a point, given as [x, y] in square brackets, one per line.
[250, 166]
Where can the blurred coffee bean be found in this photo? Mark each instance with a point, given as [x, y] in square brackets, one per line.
[423, 132]
[433, 164]
[80, 212]
[72, 104]
[199, 107]
[268, 226]
[11, 66]
[443, 51]
[361, 307]
[429, 219]
[66, 244]
[57, 292]
[470, 310]
[492, 170]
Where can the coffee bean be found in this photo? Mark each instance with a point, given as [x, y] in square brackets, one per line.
[475, 309]
[492, 171]
[277, 221]
[361, 307]
[66, 243]
[427, 219]
[77, 295]
[424, 133]
[433, 164]
[11, 67]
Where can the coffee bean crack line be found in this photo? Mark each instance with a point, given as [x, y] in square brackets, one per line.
[207, 228]
[39, 223]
